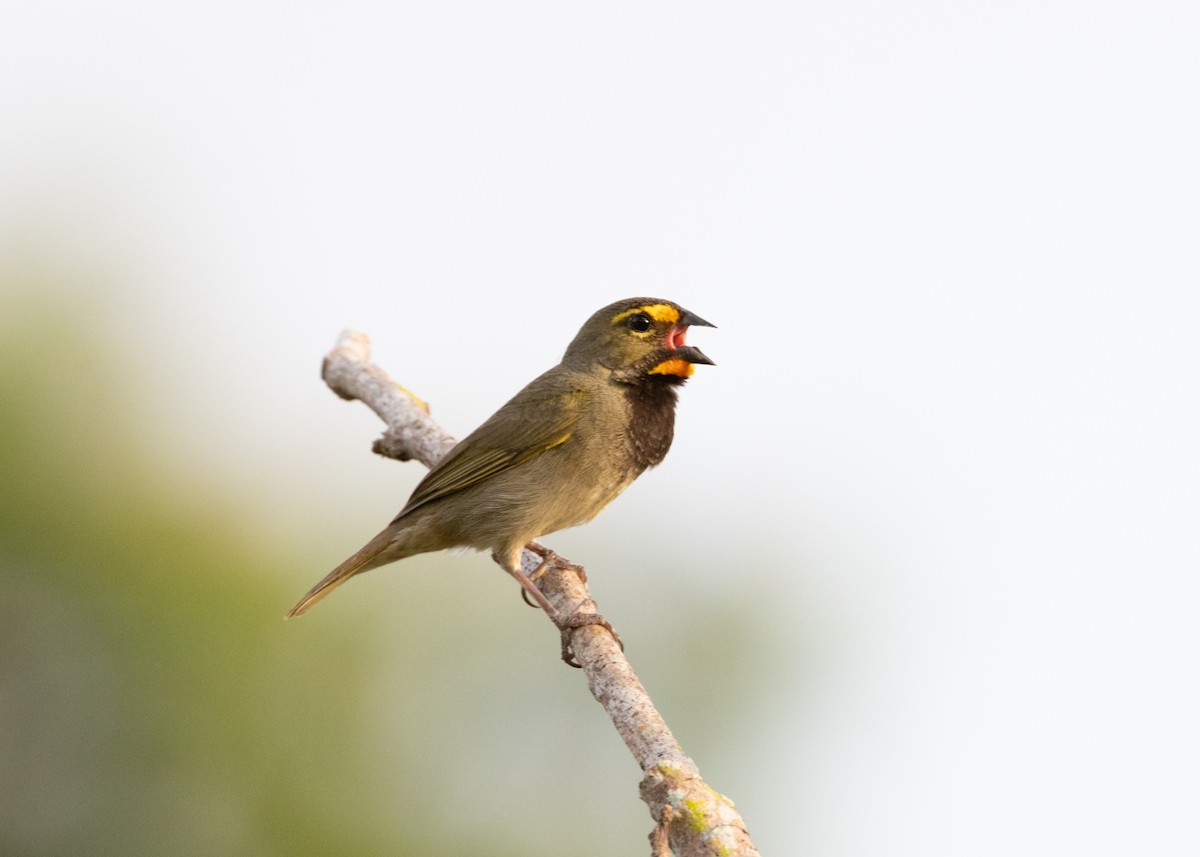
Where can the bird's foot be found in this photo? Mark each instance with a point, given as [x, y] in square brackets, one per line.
[550, 560]
[569, 625]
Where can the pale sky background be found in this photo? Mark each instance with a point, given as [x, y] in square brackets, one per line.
[949, 451]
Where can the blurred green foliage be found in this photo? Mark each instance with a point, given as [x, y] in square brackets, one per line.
[148, 702]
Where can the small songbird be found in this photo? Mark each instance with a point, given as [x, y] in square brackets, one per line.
[556, 454]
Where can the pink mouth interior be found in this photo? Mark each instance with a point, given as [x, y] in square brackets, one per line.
[677, 337]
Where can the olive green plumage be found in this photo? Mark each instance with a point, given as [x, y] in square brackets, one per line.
[556, 453]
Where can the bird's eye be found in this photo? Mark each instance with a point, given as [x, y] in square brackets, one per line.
[639, 322]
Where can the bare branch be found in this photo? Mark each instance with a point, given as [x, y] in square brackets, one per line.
[692, 819]
[411, 432]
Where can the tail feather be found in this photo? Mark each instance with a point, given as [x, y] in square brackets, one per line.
[371, 555]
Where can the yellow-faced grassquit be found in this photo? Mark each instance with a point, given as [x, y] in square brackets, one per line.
[556, 454]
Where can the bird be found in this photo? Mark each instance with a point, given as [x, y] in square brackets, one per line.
[554, 455]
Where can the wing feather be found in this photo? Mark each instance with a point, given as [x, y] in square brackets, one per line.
[537, 419]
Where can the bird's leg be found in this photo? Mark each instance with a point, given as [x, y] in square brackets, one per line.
[566, 625]
[550, 560]
[527, 587]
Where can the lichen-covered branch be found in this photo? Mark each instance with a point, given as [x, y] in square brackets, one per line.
[692, 819]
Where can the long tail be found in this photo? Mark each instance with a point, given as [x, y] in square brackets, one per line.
[379, 551]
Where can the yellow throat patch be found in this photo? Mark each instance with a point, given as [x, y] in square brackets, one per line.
[674, 366]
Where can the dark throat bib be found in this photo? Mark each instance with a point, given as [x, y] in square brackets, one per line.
[652, 419]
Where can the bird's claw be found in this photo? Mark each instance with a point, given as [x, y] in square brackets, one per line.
[550, 560]
[568, 626]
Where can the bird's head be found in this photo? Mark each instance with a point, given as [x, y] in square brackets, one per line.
[639, 338]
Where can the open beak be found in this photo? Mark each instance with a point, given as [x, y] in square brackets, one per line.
[676, 339]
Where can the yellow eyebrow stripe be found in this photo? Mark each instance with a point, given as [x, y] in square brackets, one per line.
[659, 312]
